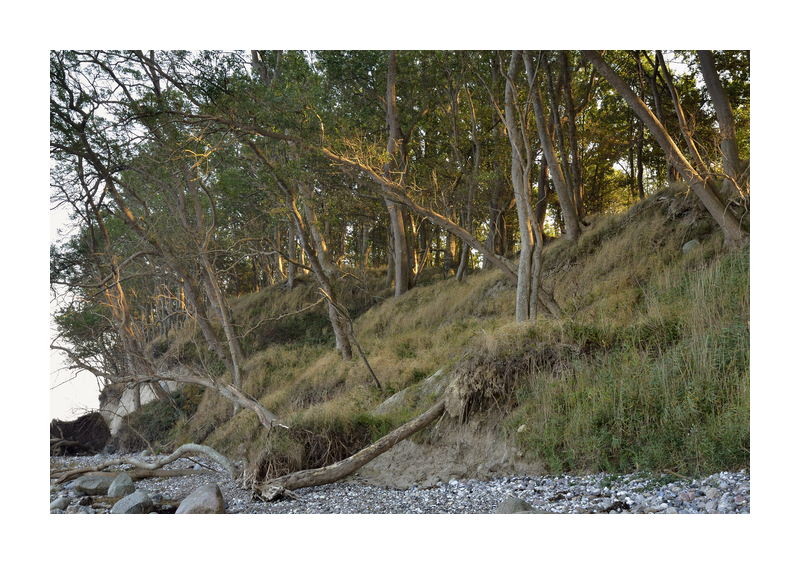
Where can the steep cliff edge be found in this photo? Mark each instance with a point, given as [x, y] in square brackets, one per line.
[646, 369]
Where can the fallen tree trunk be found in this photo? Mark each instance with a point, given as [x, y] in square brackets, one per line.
[181, 452]
[276, 488]
[61, 447]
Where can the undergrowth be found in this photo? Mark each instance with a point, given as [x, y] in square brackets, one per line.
[646, 370]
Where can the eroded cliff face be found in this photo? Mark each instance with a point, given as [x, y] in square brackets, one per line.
[119, 400]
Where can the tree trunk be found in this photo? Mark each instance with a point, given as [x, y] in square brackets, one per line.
[524, 309]
[543, 190]
[732, 231]
[400, 258]
[722, 106]
[394, 147]
[234, 346]
[291, 267]
[335, 472]
[565, 196]
[694, 152]
[572, 133]
[318, 240]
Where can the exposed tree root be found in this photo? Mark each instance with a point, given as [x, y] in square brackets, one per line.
[280, 487]
[181, 452]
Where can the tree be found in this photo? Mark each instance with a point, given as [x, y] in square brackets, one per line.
[702, 187]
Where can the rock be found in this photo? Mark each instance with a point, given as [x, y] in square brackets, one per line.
[137, 502]
[431, 387]
[60, 503]
[514, 504]
[670, 510]
[75, 509]
[57, 511]
[121, 486]
[712, 493]
[96, 484]
[689, 245]
[86, 500]
[205, 499]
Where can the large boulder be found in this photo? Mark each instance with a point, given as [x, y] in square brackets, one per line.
[137, 502]
[121, 486]
[205, 499]
[94, 484]
[513, 504]
[689, 245]
[61, 503]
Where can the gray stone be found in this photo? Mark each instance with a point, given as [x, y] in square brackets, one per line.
[205, 499]
[431, 387]
[60, 503]
[670, 510]
[712, 493]
[137, 502]
[689, 245]
[121, 486]
[57, 511]
[94, 484]
[514, 505]
[86, 500]
[76, 509]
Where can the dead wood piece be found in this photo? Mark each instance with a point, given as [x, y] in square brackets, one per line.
[272, 489]
[181, 452]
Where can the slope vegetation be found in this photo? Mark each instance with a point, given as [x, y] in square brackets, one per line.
[647, 369]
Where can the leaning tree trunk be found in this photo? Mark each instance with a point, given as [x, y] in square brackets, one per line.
[727, 130]
[565, 196]
[732, 231]
[271, 489]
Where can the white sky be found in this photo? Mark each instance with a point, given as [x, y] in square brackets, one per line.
[72, 393]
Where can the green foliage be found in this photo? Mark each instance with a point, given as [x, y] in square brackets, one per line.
[155, 422]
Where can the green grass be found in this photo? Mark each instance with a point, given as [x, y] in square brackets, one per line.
[655, 395]
[647, 370]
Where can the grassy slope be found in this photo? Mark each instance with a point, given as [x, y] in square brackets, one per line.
[648, 368]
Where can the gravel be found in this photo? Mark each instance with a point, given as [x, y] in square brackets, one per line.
[725, 492]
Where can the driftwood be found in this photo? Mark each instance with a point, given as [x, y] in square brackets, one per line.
[63, 446]
[280, 487]
[181, 452]
[141, 473]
